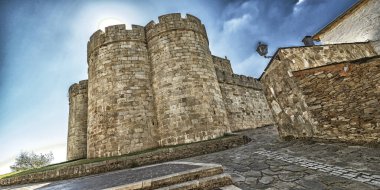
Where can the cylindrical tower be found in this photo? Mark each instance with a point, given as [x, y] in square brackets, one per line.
[121, 117]
[189, 103]
[77, 133]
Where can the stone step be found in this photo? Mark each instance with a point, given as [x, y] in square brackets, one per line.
[229, 187]
[202, 174]
[207, 183]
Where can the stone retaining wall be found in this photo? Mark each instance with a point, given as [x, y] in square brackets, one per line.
[288, 100]
[344, 105]
[123, 162]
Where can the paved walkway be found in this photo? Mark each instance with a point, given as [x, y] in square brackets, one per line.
[111, 179]
[265, 163]
[269, 163]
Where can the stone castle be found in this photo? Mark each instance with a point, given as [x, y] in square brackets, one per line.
[159, 85]
[156, 86]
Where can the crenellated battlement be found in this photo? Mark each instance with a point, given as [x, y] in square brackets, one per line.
[222, 64]
[78, 88]
[240, 80]
[174, 21]
[115, 33]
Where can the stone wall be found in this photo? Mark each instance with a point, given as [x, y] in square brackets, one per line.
[222, 64]
[286, 99]
[344, 105]
[245, 102]
[363, 25]
[121, 117]
[299, 58]
[247, 108]
[159, 85]
[77, 131]
[188, 100]
[376, 46]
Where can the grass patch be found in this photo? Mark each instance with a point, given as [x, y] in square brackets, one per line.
[8, 174]
[94, 160]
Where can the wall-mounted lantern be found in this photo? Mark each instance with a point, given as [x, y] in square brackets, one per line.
[308, 41]
[262, 49]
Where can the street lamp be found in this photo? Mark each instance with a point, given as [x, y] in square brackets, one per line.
[262, 49]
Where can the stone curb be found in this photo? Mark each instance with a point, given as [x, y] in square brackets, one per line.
[206, 171]
[207, 183]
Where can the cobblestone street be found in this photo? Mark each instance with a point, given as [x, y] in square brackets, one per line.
[270, 163]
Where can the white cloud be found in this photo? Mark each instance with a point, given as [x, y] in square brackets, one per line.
[297, 8]
[300, 2]
[251, 66]
[237, 23]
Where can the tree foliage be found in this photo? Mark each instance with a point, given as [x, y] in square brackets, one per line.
[30, 160]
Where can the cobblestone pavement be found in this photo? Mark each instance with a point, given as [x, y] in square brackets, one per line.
[270, 163]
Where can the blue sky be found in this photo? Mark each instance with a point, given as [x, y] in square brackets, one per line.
[43, 51]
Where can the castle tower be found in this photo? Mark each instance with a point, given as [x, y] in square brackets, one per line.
[77, 132]
[121, 117]
[189, 103]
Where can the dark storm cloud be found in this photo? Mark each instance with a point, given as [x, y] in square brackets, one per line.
[279, 23]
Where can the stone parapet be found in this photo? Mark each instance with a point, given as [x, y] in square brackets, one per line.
[300, 58]
[174, 21]
[222, 64]
[77, 89]
[113, 34]
[239, 80]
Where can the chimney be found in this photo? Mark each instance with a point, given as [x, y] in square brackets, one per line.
[308, 41]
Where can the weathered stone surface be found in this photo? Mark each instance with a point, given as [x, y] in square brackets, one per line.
[298, 164]
[363, 25]
[121, 117]
[77, 131]
[266, 180]
[159, 85]
[319, 99]
[189, 104]
[345, 107]
[247, 108]
[222, 64]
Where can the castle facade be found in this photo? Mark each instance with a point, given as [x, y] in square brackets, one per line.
[156, 86]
